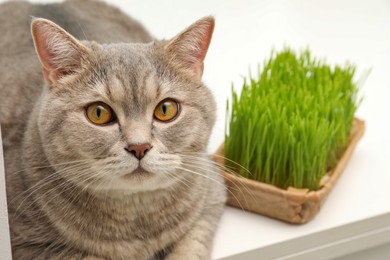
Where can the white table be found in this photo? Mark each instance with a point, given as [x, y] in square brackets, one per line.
[356, 215]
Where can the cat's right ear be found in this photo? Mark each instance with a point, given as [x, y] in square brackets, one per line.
[59, 52]
[189, 48]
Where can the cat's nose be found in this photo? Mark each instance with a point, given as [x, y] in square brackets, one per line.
[138, 150]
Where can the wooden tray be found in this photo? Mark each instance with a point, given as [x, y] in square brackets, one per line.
[295, 206]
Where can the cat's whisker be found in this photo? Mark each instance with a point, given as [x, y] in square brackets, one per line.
[51, 165]
[216, 164]
[209, 160]
[230, 189]
[71, 167]
[219, 183]
[69, 186]
[58, 190]
[202, 163]
[107, 190]
[177, 179]
[188, 182]
[49, 177]
[224, 167]
[200, 174]
[220, 156]
[206, 169]
[88, 182]
[237, 165]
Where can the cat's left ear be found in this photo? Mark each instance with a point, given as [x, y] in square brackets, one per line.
[59, 52]
[189, 48]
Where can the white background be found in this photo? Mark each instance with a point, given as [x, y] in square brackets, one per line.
[339, 31]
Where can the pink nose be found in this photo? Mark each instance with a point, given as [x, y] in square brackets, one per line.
[138, 150]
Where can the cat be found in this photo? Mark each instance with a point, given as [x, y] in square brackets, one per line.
[104, 133]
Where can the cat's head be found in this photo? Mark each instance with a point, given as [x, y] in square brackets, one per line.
[123, 116]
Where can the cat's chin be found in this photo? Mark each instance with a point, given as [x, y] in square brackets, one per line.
[138, 180]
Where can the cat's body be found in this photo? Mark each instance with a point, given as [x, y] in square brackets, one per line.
[72, 187]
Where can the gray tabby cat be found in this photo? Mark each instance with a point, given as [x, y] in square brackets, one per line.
[105, 153]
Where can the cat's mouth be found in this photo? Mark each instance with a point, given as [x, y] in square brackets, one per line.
[138, 173]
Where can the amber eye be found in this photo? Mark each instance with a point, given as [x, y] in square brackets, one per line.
[166, 110]
[100, 113]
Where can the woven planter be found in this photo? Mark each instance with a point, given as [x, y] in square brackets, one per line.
[292, 205]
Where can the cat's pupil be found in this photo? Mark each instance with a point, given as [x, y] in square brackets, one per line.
[164, 108]
[99, 111]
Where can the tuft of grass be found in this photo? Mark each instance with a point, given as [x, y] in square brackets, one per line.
[290, 125]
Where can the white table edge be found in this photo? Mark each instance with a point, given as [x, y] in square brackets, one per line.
[339, 241]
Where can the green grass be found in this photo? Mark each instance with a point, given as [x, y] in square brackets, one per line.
[291, 123]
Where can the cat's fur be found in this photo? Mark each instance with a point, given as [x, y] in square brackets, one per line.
[71, 189]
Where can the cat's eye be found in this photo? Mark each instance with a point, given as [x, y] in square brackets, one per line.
[166, 110]
[100, 113]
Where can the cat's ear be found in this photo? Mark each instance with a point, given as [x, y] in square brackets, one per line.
[59, 52]
[189, 48]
